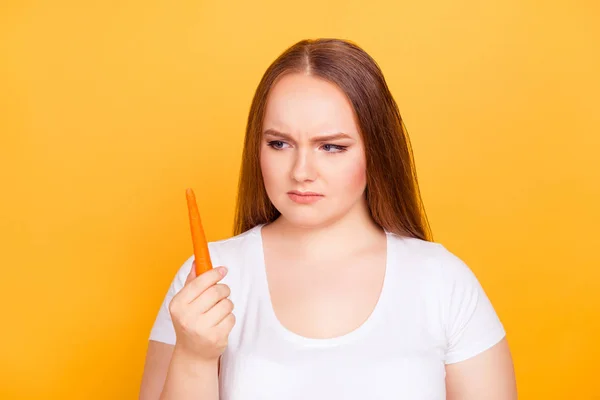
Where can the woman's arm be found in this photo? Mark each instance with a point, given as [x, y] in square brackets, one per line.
[489, 375]
[191, 378]
[169, 374]
[158, 358]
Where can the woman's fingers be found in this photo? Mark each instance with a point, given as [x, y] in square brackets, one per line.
[197, 285]
[226, 325]
[192, 274]
[209, 298]
[218, 312]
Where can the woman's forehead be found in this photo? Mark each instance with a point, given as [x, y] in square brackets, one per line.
[303, 104]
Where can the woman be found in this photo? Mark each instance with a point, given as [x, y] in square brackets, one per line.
[339, 291]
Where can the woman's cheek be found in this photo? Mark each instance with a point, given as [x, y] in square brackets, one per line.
[354, 176]
[269, 171]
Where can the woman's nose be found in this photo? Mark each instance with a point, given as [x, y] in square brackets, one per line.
[303, 168]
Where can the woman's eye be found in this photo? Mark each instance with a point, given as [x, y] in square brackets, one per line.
[276, 144]
[338, 149]
[329, 148]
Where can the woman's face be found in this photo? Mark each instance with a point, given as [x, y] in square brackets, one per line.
[294, 155]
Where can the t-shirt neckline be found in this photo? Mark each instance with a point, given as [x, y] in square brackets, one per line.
[291, 336]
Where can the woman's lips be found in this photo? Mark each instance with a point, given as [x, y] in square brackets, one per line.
[307, 198]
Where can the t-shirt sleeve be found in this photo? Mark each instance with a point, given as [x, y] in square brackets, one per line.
[471, 324]
[163, 329]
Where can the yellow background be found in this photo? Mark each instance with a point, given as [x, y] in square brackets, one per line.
[109, 110]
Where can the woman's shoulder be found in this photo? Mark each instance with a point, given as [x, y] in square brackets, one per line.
[433, 259]
[227, 250]
[453, 295]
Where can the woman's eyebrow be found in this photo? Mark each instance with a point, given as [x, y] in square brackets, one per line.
[325, 138]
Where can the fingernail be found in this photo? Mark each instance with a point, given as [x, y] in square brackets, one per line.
[223, 271]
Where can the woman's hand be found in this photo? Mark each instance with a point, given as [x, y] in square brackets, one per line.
[202, 315]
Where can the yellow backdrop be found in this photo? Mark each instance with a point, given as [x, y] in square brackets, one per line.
[109, 110]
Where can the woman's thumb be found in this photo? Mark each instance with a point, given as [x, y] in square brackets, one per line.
[192, 273]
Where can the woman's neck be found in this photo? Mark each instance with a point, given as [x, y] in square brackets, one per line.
[353, 232]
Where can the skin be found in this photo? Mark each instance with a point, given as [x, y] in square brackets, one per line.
[321, 253]
[335, 239]
[315, 239]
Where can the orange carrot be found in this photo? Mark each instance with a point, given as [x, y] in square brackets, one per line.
[201, 254]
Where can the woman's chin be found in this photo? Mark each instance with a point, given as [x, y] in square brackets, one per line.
[306, 219]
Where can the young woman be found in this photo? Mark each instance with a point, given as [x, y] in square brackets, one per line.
[339, 290]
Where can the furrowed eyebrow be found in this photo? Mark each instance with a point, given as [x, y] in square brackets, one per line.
[325, 138]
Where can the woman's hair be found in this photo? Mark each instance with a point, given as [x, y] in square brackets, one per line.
[392, 190]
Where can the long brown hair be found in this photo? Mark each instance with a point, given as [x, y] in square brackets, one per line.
[392, 189]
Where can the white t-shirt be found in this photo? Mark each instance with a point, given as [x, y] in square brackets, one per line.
[432, 311]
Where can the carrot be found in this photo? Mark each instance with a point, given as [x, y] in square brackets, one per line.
[201, 253]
